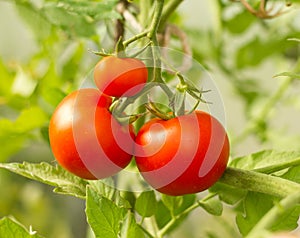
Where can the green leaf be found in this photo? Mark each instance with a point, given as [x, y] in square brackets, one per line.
[289, 74]
[14, 134]
[74, 17]
[267, 161]
[34, 19]
[293, 174]
[255, 206]
[288, 220]
[10, 228]
[130, 229]
[90, 9]
[65, 182]
[240, 22]
[50, 86]
[74, 54]
[163, 214]
[10, 141]
[106, 188]
[103, 215]
[30, 118]
[172, 202]
[294, 39]
[53, 95]
[129, 197]
[212, 206]
[6, 82]
[228, 194]
[256, 51]
[73, 23]
[146, 204]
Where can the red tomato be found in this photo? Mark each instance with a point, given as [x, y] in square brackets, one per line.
[183, 155]
[119, 77]
[86, 139]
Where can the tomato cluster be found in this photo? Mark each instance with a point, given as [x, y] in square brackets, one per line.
[182, 155]
[85, 137]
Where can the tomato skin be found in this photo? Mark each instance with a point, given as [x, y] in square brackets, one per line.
[183, 155]
[120, 76]
[85, 137]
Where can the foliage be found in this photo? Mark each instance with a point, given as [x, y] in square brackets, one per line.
[255, 62]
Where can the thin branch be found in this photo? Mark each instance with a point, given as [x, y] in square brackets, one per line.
[263, 13]
[168, 10]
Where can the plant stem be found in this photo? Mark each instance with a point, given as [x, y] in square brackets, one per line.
[129, 100]
[155, 48]
[168, 10]
[258, 182]
[156, 18]
[136, 37]
[274, 214]
[166, 228]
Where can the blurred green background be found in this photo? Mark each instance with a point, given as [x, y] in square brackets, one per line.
[44, 55]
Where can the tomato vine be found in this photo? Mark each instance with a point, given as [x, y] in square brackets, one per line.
[156, 107]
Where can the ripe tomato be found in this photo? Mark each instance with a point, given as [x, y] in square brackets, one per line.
[120, 76]
[86, 139]
[183, 155]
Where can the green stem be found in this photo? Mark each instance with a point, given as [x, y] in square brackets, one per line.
[121, 108]
[155, 48]
[156, 18]
[167, 227]
[157, 71]
[274, 214]
[136, 37]
[189, 209]
[258, 182]
[168, 10]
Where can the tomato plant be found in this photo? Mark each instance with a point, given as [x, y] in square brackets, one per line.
[119, 77]
[83, 136]
[161, 64]
[183, 155]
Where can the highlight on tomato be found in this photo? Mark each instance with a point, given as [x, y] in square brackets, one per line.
[86, 139]
[182, 155]
[118, 77]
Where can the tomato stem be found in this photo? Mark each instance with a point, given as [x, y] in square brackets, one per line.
[135, 38]
[156, 18]
[151, 107]
[120, 49]
[168, 10]
[189, 209]
[259, 182]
